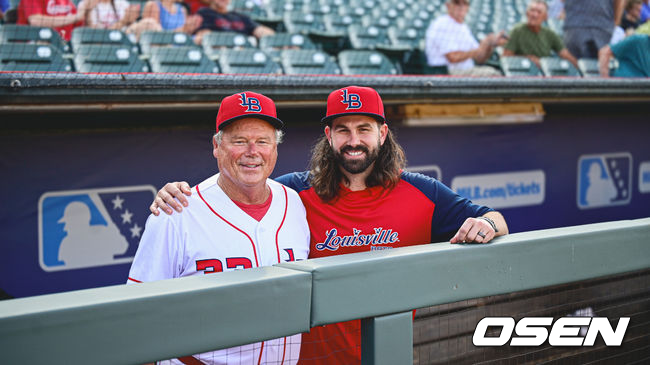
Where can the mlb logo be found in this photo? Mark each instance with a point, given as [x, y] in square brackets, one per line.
[89, 228]
[604, 180]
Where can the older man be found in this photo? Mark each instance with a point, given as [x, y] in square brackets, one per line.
[238, 219]
[216, 17]
[359, 199]
[533, 40]
[449, 42]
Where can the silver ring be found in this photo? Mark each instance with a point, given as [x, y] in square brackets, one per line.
[481, 234]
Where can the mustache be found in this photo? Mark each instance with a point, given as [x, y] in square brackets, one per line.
[354, 148]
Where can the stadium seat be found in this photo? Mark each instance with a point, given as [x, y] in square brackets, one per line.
[338, 24]
[409, 37]
[308, 62]
[214, 42]
[152, 39]
[247, 61]
[261, 14]
[519, 66]
[367, 37]
[365, 62]
[299, 22]
[84, 36]
[554, 66]
[381, 22]
[32, 57]
[274, 44]
[589, 67]
[107, 58]
[186, 59]
[13, 33]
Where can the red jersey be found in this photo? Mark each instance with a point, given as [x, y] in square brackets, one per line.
[27, 8]
[418, 210]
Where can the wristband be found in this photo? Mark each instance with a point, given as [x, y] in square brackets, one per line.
[491, 222]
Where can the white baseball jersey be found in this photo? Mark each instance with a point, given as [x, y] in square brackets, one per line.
[213, 234]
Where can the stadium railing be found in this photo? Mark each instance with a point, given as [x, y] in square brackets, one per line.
[152, 320]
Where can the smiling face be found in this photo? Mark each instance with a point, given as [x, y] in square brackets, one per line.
[536, 14]
[247, 153]
[355, 140]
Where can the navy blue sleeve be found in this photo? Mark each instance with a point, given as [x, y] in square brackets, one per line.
[297, 181]
[450, 210]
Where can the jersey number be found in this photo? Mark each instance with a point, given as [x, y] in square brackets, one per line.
[214, 265]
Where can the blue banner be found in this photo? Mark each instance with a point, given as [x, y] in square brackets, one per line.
[74, 204]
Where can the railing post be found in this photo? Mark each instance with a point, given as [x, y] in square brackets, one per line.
[387, 340]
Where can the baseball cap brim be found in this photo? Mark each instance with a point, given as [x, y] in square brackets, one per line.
[275, 122]
[328, 119]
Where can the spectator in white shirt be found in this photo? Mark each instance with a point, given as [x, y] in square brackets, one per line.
[449, 42]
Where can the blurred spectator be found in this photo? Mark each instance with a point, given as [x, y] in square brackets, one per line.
[533, 40]
[171, 15]
[589, 24]
[4, 6]
[632, 54]
[556, 9]
[449, 42]
[632, 16]
[62, 15]
[195, 5]
[216, 17]
[119, 14]
[645, 11]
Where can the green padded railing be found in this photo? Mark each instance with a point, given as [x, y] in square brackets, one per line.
[144, 322]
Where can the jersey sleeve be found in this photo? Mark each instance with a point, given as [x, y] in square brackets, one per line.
[451, 209]
[159, 253]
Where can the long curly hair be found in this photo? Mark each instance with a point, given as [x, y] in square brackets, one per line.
[326, 173]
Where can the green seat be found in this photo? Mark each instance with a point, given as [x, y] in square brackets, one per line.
[299, 22]
[554, 66]
[589, 67]
[85, 36]
[338, 24]
[151, 39]
[107, 58]
[409, 37]
[182, 59]
[308, 62]
[365, 62]
[247, 61]
[519, 66]
[381, 21]
[32, 57]
[362, 37]
[274, 44]
[214, 42]
[13, 33]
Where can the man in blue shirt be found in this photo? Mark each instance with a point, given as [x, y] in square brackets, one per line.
[633, 55]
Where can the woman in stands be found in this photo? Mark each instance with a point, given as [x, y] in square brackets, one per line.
[171, 16]
[119, 14]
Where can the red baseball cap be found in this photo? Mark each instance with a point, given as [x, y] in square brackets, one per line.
[354, 100]
[247, 104]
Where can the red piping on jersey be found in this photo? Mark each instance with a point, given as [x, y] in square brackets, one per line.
[284, 350]
[259, 359]
[257, 264]
[132, 279]
[277, 233]
[190, 360]
[277, 246]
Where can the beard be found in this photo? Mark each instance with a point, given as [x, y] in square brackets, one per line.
[356, 166]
